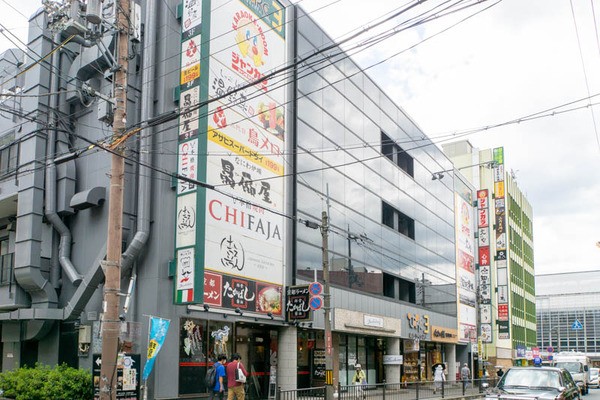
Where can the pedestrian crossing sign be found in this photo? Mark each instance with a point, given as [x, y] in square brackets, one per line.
[576, 325]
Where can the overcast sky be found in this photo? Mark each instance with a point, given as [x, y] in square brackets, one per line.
[510, 61]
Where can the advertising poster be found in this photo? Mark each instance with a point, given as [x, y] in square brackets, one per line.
[503, 329]
[503, 312]
[128, 376]
[190, 61]
[486, 333]
[319, 363]
[483, 236]
[190, 115]
[187, 165]
[243, 153]
[486, 313]
[184, 286]
[465, 268]
[192, 14]
[185, 233]
[245, 240]
[238, 292]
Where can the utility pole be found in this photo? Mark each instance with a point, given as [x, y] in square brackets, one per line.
[112, 265]
[327, 308]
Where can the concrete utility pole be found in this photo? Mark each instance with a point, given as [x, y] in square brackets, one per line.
[327, 308]
[112, 265]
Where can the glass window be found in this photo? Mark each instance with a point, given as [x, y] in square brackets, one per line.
[6, 262]
[192, 355]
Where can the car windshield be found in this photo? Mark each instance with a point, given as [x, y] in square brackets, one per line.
[530, 378]
[593, 372]
[572, 367]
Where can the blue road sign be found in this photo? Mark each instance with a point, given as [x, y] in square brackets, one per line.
[315, 303]
[315, 288]
[576, 325]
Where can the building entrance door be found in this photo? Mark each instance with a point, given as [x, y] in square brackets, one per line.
[260, 354]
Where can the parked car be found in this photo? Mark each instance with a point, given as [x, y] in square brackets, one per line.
[594, 377]
[535, 383]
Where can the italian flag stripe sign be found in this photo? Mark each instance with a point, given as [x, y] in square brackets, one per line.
[185, 296]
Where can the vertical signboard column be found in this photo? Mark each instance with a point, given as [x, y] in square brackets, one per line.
[501, 251]
[245, 142]
[485, 284]
[186, 288]
[465, 259]
[229, 241]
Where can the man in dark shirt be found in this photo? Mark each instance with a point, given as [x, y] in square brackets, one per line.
[219, 389]
[235, 389]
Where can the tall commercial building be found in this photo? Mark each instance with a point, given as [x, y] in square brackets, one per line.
[506, 297]
[251, 124]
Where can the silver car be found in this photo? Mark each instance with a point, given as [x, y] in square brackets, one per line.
[545, 383]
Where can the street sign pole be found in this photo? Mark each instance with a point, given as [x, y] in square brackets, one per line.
[327, 308]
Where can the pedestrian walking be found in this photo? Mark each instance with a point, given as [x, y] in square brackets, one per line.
[465, 374]
[360, 380]
[235, 388]
[500, 372]
[218, 390]
[438, 378]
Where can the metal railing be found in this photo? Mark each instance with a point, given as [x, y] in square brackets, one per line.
[316, 393]
[395, 391]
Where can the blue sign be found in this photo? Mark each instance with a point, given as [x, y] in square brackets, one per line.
[315, 303]
[576, 325]
[537, 361]
[315, 288]
[156, 338]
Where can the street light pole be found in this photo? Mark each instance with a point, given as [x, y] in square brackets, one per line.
[327, 308]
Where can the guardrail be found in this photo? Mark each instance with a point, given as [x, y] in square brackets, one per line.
[395, 391]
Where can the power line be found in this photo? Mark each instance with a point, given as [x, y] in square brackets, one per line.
[587, 85]
[175, 114]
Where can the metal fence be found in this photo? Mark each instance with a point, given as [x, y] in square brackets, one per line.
[394, 391]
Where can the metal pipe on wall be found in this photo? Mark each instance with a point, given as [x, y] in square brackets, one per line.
[144, 172]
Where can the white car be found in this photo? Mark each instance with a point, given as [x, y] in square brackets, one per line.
[594, 377]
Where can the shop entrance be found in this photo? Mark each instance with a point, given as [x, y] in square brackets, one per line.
[258, 348]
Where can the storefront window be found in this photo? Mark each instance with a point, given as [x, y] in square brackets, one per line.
[219, 340]
[358, 350]
[369, 360]
[342, 357]
[192, 355]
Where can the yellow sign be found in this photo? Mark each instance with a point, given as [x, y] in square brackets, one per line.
[241, 149]
[328, 377]
[441, 334]
[499, 189]
[152, 346]
[189, 74]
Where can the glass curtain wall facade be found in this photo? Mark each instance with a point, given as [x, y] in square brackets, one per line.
[392, 227]
[563, 299]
